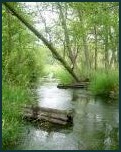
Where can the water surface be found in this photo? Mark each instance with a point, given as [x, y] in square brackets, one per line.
[96, 122]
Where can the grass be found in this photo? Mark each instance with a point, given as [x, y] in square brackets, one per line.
[102, 83]
[59, 72]
[63, 76]
[13, 97]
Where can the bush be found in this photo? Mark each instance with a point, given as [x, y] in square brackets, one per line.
[21, 69]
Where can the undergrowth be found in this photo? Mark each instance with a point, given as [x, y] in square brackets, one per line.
[13, 98]
[63, 76]
[102, 83]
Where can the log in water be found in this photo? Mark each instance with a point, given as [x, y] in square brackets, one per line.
[79, 85]
[48, 114]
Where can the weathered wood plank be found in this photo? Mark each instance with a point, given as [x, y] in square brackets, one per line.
[48, 114]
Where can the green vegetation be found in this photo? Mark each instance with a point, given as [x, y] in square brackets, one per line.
[59, 73]
[104, 83]
[20, 70]
[12, 100]
[81, 40]
[64, 76]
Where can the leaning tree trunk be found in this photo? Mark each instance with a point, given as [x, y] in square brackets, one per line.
[45, 41]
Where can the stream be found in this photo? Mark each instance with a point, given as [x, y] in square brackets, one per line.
[95, 123]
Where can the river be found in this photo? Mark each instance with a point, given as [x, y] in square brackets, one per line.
[95, 123]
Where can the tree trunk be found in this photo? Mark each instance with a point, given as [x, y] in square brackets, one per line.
[86, 51]
[45, 41]
[66, 34]
[64, 26]
[9, 32]
[95, 31]
[118, 53]
[106, 48]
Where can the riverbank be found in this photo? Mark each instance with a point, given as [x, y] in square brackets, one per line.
[13, 98]
[105, 84]
[100, 83]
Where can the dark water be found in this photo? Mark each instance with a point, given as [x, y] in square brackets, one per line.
[96, 122]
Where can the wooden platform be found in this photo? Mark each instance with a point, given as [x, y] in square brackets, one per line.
[79, 85]
[56, 116]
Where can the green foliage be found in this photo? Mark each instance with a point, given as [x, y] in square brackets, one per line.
[64, 76]
[22, 60]
[19, 65]
[104, 82]
[13, 98]
[19, 70]
[59, 73]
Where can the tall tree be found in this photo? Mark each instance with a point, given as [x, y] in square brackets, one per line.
[49, 45]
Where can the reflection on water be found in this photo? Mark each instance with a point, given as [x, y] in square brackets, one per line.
[52, 97]
[41, 140]
[96, 123]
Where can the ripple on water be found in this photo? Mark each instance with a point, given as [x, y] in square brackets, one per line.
[95, 125]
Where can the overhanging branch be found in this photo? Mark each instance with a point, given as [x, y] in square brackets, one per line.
[45, 41]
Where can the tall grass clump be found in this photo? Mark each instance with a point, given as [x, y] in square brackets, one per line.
[13, 98]
[103, 83]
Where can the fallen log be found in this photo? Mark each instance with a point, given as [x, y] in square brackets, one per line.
[44, 109]
[45, 118]
[37, 109]
[79, 85]
[62, 117]
[50, 119]
[48, 114]
[55, 116]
